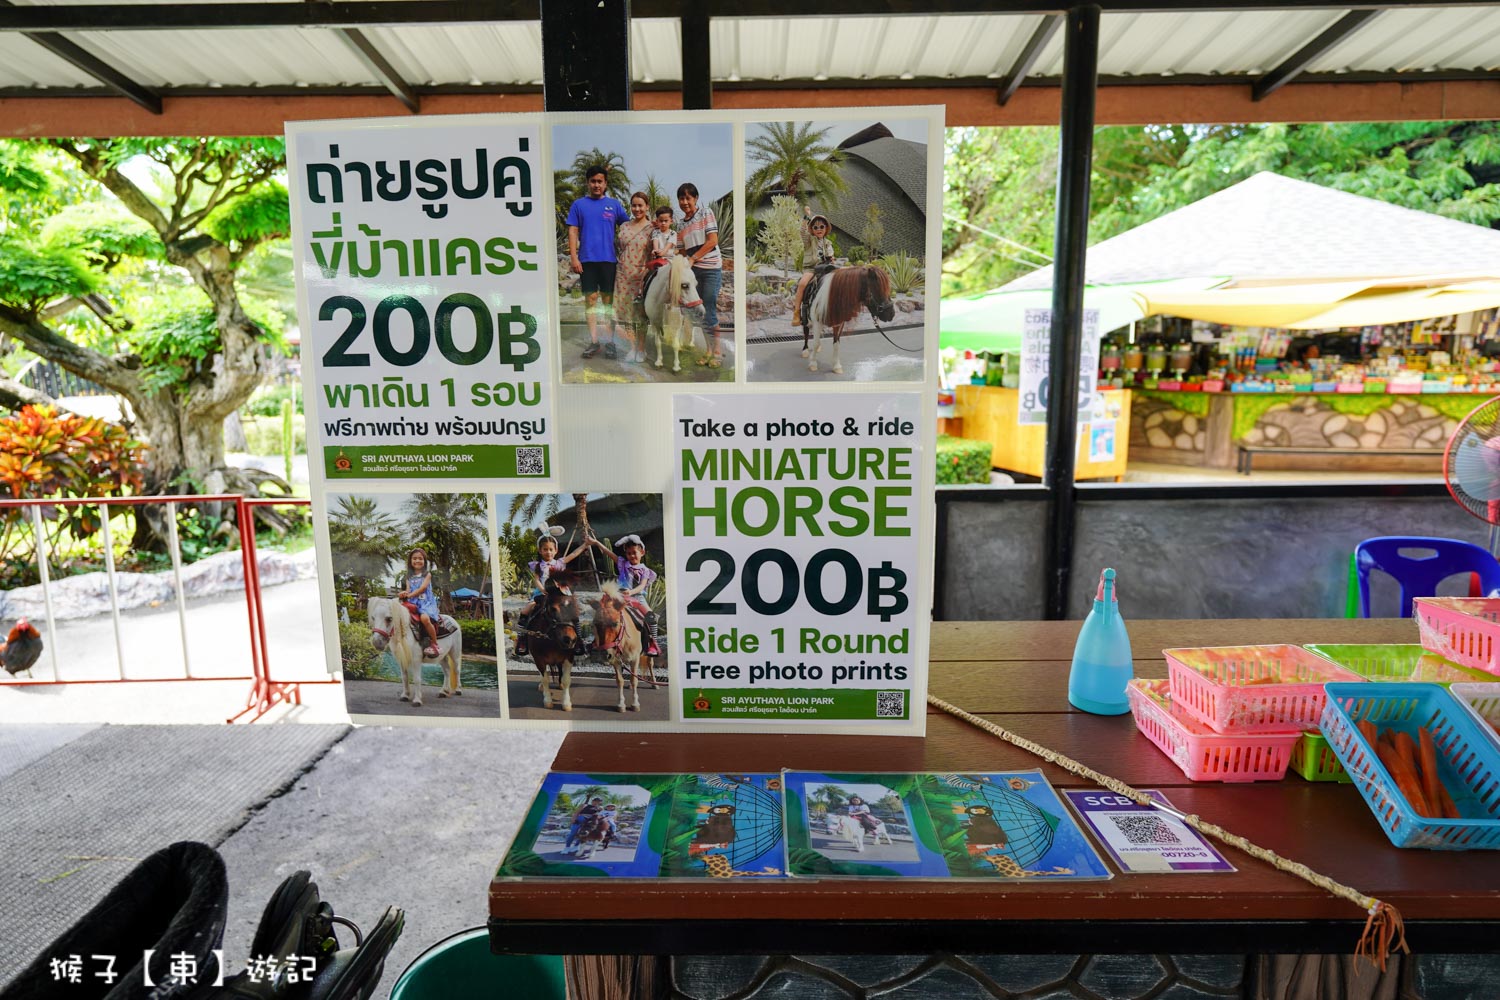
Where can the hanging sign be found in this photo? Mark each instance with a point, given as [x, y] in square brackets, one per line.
[523, 341]
[1036, 341]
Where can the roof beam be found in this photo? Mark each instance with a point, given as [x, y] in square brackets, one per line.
[1305, 56]
[364, 13]
[1028, 57]
[75, 56]
[376, 62]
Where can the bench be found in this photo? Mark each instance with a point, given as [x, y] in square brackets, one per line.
[1248, 452]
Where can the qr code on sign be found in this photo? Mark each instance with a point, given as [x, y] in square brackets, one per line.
[531, 461]
[1143, 830]
[890, 704]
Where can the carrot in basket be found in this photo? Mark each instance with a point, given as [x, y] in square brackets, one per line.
[1446, 805]
[1407, 747]
[1428, 761]
[1371, 734]
[1406, 780]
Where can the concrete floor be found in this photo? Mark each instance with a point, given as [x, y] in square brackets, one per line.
[416, 818]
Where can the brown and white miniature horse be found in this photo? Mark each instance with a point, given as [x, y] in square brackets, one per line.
[616, 633]
[842, 295]
[554, 637]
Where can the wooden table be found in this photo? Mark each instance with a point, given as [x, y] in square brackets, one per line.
[1016, 674]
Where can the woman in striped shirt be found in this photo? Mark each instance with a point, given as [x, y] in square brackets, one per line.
[699, 239]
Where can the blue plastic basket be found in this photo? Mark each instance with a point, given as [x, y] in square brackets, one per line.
[1468, 763]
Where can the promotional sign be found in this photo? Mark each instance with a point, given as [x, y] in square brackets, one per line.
[1036, 360]
[798, 557]
[522, 338]
[426, 300]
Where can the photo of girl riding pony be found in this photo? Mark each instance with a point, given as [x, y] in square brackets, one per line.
[817, 256]
[633, 577]
[541, 569]
[419, 598]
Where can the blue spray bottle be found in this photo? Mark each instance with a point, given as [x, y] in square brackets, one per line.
[1101, 659]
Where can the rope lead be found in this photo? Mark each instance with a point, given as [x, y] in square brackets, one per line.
[1384, 930]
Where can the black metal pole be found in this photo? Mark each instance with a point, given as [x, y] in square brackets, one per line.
[1075, 155]
[586, 55]
[697, 79]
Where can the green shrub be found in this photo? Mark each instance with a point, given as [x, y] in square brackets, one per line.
[905, 271]
[263, 435]
[859, 255]
[479, 635]
[359, 657]
[267, 400]
[961, 461]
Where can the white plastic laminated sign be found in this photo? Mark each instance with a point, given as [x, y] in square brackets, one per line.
[1036, 341]
[799, 556]
[514, 328]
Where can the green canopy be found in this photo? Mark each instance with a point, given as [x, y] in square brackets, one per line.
[993, 321]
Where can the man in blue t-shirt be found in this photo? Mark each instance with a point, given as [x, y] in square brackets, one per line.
[591, 245]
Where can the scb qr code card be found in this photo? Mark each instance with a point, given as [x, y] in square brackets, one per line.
[1142, 839]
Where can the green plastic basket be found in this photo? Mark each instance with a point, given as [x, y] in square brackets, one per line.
[462, 966]
[1399, 662]
[1315, 760]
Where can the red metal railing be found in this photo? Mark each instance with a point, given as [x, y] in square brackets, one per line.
[265, 691]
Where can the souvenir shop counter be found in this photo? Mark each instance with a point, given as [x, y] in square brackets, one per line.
[1372, 431]
[990, 413]
[1015, 673]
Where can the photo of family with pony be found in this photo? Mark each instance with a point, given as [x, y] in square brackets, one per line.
[645, 252]
[836, 250]
[413, 584]
[584, 608]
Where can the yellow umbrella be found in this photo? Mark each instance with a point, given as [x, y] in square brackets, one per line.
[1378, 306]
[1263, 305]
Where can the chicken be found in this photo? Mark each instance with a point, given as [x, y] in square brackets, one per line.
[21, 648]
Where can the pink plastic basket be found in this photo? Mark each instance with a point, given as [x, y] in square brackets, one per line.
[1203, 754]
[1252, 689]
[1466, 630]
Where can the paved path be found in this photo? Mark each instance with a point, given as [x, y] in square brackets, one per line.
[575, 338]
[868, 357]
[218, 643]
[595, 699]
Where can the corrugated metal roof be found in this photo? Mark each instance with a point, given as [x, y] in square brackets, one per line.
[782, 49]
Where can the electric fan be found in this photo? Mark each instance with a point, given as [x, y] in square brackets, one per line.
[1471, 467]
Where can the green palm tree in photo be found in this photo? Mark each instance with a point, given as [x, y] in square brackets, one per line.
[614, 165]
[656, 196]
[450, 526]
[791, 158]
[365, 541]
[530, 508]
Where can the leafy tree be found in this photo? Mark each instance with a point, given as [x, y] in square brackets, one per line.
[1447, 168]
[998, 200]
[1000, 183]
[873, 233]
[656, 196]
[135, 288]
[781, 232]
[832, 796]
[365, 542]
[793, 158]
[451, 527]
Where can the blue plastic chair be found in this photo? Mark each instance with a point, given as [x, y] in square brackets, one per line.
[1419, 572]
